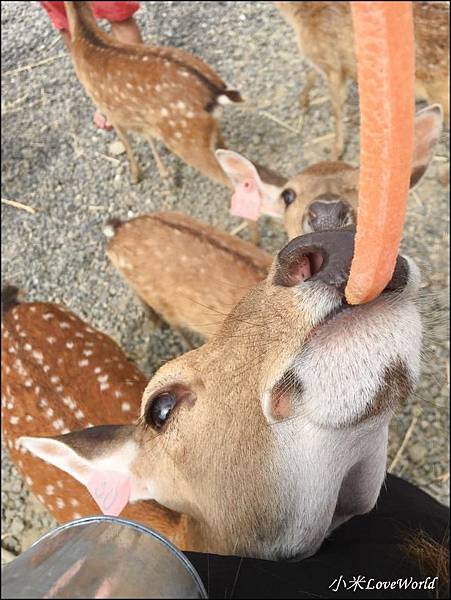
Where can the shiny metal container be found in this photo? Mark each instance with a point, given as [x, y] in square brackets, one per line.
[101, 557]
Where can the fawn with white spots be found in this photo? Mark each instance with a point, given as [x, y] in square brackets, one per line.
[192, 275]
[60, 375]
[267, 437]
[159, 93]
[325, 39]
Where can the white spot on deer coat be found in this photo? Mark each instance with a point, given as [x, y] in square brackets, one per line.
[83, 363]
[49, 490]
[14, 420]
[37, 354]
[125, 406]
[69, 402]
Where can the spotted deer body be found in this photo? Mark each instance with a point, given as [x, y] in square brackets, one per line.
[189, 273]
[60, 375]
[274, 432]
[325, 38]
[159, 93]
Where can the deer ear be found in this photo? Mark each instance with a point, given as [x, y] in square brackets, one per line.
[247, 199]
[100, 458]
[428, 128]
[237, 167]
[257, 189]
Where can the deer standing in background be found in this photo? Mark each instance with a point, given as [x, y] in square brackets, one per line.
[325, 39]
[159, 93]
[266, 438]
[192, 274]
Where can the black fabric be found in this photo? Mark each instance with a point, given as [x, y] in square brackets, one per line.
[366, 546]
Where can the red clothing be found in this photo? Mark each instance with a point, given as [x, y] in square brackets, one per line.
[112, 11]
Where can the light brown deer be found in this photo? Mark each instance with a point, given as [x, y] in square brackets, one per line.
[192, 275]
[271, 434]
[60, 375]
[189, 273]
[160, 93]
[325, 39]
[324, 195]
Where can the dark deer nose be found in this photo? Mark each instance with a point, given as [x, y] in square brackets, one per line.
[329, 211]
[330, 255]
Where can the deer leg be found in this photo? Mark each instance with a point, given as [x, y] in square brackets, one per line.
[337, 88]
[199, 151]
[304, 96]
[220, 143]
[160, 165]
[443, 174]
[152, 315]
[134, 167]
[254, 230]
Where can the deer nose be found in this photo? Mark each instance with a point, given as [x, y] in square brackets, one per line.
[330, 255]
[329, 211]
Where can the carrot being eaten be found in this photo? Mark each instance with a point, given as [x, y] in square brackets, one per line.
[384, 43]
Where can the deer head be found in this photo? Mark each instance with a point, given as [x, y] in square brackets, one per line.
[275, 431]
[325, 195]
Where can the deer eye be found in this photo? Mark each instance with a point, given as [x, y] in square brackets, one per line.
[288, 196]
[159, 409]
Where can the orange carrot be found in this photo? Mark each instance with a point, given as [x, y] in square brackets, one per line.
[385, 67]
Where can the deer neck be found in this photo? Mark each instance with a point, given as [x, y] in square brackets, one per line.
[83, 26]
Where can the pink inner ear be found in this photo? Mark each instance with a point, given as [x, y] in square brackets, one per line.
[246, 200]
[111, 491]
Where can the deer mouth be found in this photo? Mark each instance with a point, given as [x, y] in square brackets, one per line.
[326, 257]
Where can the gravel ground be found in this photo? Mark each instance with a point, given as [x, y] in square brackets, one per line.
[54, 160]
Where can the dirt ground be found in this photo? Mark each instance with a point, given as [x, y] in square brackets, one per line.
[55, 161]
